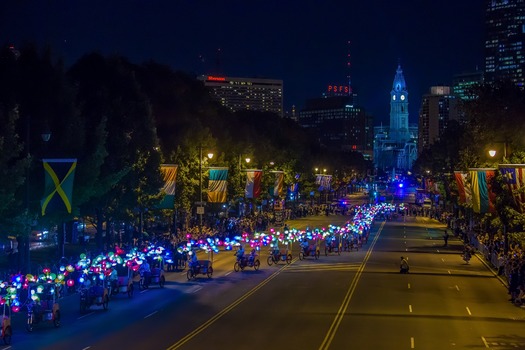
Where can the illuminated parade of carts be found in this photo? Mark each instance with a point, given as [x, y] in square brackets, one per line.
[102, 277]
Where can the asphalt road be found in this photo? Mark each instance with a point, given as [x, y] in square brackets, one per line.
[356, 300]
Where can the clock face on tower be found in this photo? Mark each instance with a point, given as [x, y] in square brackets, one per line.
[402, 97]
[393, 97]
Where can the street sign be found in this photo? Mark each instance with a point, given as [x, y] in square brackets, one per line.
[200, 203]
[200, 210]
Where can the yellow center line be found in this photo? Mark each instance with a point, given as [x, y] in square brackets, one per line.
[227, 309]
[346, 301]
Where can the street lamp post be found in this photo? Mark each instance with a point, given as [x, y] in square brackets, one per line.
[200, 207]
[247, 160]
[46, 136]
[492, 152]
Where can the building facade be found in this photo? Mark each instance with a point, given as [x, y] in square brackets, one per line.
[395, 146]
[438, 107]
[339, 124]
[462, 84]
[504, 40]
[263, 95]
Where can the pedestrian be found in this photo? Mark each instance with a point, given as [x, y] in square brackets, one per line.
[445, 238]
[403, 266]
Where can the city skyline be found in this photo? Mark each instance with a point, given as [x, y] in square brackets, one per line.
[302, 43]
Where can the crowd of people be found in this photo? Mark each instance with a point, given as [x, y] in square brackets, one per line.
[508, 258]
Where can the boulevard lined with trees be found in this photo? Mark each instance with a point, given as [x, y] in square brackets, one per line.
[121, 121]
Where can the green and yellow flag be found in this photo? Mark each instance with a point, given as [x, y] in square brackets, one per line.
[169, 172]
[218, 185]
[58, 190]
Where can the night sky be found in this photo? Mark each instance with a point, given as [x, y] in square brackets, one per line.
[304, 43]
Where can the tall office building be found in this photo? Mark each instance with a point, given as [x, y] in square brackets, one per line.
[438, 107]
[504, 41]
[339, 124]
[263, 95]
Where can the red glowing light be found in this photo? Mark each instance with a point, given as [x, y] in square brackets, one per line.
[212, 78]
[338, 89]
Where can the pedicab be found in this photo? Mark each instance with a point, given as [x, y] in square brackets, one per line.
[277, 255]
[333, 244]
[7, 331]
[122, 282]
[9, 301]
[154, 277]
[93, 293]
[247, 261]
[42, 305]
[199, 267]
[309, 250]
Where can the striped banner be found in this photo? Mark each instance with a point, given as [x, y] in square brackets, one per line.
[465, 193]
[514, 177]
[324, 181]
[482, 196]
[218, 185]
[169, 172]
[278, 184]
[253, 183]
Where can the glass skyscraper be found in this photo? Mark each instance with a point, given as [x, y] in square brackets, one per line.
[504, 40]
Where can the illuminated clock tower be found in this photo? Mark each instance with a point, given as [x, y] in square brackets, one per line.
[399, 109]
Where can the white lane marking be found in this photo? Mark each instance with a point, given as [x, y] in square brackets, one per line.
[412, 345]
[457, 287]
[87, 347]
[193, 289]
[144, 291]
[81, 317]
[410, 308]
[442, 259]
[468, 310]
[227, 273]
[485, 342]
[409, 286]
[449, 272]
[153, 313]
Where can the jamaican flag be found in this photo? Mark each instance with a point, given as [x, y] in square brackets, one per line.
[58, 191]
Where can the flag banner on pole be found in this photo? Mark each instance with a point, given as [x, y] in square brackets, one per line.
[278, 184]
[465, 193]
[253, 183]
[218, 185]
[482, 196]
[169, 173]
[58, 186]
[514, 177]
[324, 182]
[294, 188]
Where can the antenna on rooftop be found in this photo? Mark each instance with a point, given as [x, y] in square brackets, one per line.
[218, 61]
[348, 68]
